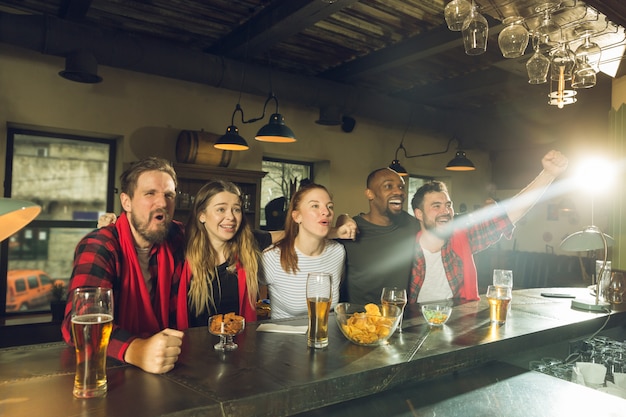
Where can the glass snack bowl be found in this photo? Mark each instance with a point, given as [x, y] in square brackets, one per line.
[436, 314]
[367, 325]
[226, 327]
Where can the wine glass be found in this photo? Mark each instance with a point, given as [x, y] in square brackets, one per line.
[589, 52]
[475, 32]
[394, 296]
[548, 34]
[537, 67]
[617, 287]
[455, 13]
[584, 75]
[226, 327]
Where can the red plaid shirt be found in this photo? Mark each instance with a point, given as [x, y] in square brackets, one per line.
[98, 262]
[479, 235]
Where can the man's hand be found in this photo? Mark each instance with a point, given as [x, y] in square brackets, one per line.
[554, 163]
[106, 219]
[345, 228]
[156, 354]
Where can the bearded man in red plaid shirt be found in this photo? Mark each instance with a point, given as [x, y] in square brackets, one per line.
[141, 257]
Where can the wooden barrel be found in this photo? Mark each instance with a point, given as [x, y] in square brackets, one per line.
[196, 147]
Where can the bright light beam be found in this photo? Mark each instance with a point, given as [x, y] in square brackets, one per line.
[595, 175]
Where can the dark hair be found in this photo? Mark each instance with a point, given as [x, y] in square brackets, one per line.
[128, 179]
[374, 174]
[429, 187]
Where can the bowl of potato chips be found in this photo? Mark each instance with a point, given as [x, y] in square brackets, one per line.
[367, 325]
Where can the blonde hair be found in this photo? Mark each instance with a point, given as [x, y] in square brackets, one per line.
[202, 258]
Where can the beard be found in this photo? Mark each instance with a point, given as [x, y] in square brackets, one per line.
[442, 232]
[152, 236]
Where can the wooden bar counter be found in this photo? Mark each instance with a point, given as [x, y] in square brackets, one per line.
[275, 374]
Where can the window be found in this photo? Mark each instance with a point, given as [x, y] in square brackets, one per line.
[282, 179]
[414, 183]
[72, 178]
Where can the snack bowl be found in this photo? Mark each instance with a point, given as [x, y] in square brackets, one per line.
[367, 325]
[226, 326]
[436, 314]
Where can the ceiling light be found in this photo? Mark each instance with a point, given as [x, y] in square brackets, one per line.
[395, 165]
[231, 140]
[14, 215]
[81, 67]
[460, 163]
[275, 130]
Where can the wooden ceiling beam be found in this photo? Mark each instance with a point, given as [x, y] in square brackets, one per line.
[274, 24]
[74, 10]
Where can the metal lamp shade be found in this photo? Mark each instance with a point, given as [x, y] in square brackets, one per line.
[276, 131]
[231, 140]
[395, 165]
[14, 215]
[460, 163]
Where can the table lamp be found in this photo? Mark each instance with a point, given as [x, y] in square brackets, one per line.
[14, 215]
[590, 238]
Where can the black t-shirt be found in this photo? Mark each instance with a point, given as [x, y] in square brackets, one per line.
[381, 256]
[226, 288]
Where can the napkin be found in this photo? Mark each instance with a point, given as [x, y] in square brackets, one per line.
[281, 328]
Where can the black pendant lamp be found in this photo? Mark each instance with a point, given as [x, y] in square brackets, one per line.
[231, 140]
[460, 163]
[81, 67]
[275, 130]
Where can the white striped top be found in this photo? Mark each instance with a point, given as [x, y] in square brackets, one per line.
[287, 292]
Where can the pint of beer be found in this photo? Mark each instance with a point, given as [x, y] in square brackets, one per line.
[92, 321]
[318, 300]
[499, 298]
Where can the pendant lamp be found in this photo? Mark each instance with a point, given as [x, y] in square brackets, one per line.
[14, 215]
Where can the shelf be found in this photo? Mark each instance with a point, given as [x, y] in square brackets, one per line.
[191, 177]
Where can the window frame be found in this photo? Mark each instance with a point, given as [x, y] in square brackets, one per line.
[11, 132]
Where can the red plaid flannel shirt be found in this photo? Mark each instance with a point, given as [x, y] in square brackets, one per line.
[480, 236]
[98, 262]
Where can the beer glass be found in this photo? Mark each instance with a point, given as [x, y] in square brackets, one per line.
[503, 278]
[499, 299]
[318, 299]
[92, 321]
[396, 297]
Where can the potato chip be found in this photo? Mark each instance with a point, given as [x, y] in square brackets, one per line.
[367, 327]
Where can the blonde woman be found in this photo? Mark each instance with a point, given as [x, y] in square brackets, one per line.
[305, 248]
[222, 254]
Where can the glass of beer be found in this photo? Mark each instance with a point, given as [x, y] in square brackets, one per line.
[499, 298]
[503, 277]
[92, 321]
[396, 297]
[318, 299]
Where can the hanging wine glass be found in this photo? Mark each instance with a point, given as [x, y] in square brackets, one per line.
[475, 32]
[548, 34]
[591, 51]
[584, 74]
[455, 13]
[537, 67]
[513, 39]
[562, 59]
